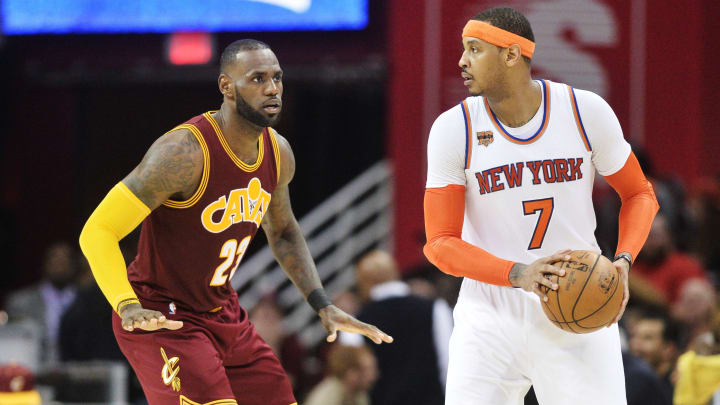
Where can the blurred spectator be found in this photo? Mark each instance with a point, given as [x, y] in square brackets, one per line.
[427, 281]
[705, 206]
[347, 301]
[661, 271]
[352, 372]
[642, 385]
[267, 318]
[696, 309]
[421, 287]
[655, 338]
[316, 362]
[414, 368]
[698, 370]
[86, 327]
[698, 379]
[17, 386]
[670, 194]
[46, 302]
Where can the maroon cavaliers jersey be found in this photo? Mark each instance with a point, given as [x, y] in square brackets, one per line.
[189, 250]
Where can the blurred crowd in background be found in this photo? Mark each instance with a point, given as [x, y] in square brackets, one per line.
[82, 109]
[670, 331]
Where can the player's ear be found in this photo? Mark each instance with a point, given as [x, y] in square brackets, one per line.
[226, 87]
[513, 55]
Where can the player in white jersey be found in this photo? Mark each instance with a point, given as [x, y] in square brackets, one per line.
[510, 176]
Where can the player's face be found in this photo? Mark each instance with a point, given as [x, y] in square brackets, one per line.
[480, 64]
[258, 87]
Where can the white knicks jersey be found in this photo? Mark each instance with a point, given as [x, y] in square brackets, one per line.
[528, 190]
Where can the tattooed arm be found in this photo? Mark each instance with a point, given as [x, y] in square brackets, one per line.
[283, 231]
[288, 245]
[172, 168]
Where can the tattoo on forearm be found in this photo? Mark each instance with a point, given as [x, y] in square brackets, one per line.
[294, 257]
[288, 244]
[515, 273]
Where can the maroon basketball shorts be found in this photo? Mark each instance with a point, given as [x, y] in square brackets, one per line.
[214, 358]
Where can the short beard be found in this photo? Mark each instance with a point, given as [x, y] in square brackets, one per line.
[253, 115]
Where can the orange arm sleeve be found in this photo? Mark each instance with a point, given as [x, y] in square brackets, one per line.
[638, 209]
[444, 212]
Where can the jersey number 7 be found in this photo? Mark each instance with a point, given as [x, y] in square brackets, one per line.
[545, 206]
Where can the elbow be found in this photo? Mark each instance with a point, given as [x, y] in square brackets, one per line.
[91, 232]
[650, 192]
[427, 251]
[650, 195]
[646, 195]
[84, 237]
[657, 205]
[432, 251]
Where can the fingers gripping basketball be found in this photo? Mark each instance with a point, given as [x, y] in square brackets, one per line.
[589, 295]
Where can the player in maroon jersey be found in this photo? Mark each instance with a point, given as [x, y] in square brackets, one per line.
[201, 192]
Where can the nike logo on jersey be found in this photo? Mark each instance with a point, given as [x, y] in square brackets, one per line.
[241, 205]
[542, 171]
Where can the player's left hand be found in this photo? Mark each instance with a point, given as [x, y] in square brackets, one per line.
[334, 319]
[623, 269]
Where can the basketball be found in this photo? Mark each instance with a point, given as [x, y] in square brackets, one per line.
[588, 296]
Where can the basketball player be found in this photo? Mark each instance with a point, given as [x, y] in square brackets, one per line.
[201, 192]
[510, 176]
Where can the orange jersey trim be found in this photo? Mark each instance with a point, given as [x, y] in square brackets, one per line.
[444, 215]
[468, 133]
[638, 209]
[538, 134]
[205, 174]
[578, 119]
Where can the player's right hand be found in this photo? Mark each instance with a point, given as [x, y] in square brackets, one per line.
[538, 273]
[134, 316]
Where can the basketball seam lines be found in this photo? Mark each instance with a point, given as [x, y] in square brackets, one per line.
[550, 311]
[565, 323]
[557, 296]
[587, 279]
[601, 307]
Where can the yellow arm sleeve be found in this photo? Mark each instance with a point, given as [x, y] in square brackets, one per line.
[117, 215]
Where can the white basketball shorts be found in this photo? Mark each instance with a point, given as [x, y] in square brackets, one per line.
[503, 343]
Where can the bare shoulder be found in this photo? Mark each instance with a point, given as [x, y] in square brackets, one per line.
[287, 160]
[171, 168]
[280, 211]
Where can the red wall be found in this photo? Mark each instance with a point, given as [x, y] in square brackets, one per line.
[654, 62]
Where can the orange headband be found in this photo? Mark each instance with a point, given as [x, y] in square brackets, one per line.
[498, 36]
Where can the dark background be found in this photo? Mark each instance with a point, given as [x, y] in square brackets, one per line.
[79, 112]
